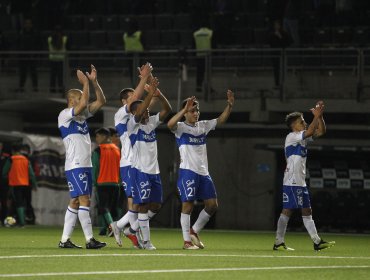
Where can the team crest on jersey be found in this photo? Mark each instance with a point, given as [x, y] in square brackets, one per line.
[144, 184]
[189, 183]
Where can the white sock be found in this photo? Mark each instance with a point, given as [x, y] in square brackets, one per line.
[121, 223]
[185, 226]
[202, 220]
[132, 217]
[144, 226]
[311, 228]
[281, 229]
[70, 220]
[135, 226]
[85, 221]
[151, 214]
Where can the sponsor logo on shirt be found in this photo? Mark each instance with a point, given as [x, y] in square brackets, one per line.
[195, 140]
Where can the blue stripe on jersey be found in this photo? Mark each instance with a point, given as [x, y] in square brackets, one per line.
[189, 139]
[142, 136]
[74, 128]
[121, 128]
[298, 150]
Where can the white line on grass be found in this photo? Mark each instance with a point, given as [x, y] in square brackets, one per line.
[179, 270]
[184, 255]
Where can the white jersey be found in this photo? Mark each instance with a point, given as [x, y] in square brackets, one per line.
[144, 144]
[120, 122]
[296, 155]
[76, 138]
[191, 141]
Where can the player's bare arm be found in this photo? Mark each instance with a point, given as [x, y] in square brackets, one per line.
[145, 72]
[226, 113]
[172, 123]
[166, 106]
[153, 85]
[100, 98]
[317, 114]
[321, 129]
[82, 104]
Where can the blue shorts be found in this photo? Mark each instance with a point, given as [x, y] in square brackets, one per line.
[146, 187]
[296, 197]
[193, 186]
[126, 180]
[79, 181]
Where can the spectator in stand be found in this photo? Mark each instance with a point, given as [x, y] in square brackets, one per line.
[203, 44]
[57, 44]
[292, 14]
[278, 38]
[29, 40]
[132, 40]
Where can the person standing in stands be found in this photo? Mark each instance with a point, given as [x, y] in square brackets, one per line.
[106, 178]
[132, 40]
[57, 44]
[21, 178]
[29, 40]
[75, 133]
[203, 44]
[278, 38]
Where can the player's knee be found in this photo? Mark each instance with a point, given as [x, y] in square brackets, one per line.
[211, 209]
[286, 212]
[74, 203]
[155, 207]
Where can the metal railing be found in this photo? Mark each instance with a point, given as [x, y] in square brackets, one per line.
[337, 73]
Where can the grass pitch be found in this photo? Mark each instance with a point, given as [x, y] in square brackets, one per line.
[33, 253]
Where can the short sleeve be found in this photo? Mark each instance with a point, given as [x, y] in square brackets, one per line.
[132, 124]
[294, 137]
[209, 125]
[65, 117]
[154, 120]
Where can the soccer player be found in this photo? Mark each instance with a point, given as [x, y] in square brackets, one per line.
[127, 96]
[75, 133]
[106, 180]
[295, 192]
[194, 181]
[146, 180]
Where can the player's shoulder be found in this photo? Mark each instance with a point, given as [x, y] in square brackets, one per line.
[122, 110]
[65, 111]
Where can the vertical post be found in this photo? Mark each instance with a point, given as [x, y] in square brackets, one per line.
[360, 75]
[207, 76]
[283, 69]
[65, 71]
[135, 64]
